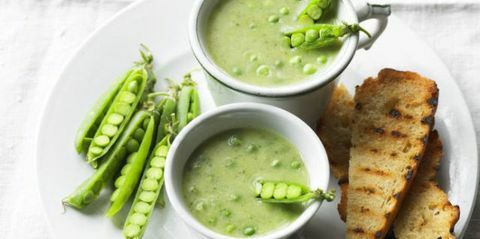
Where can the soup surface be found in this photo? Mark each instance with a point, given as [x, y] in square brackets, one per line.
[218, 181]
[244, 38]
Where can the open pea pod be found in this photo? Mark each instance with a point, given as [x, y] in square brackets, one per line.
[89, 190]
[138, 147]
[314, 11]
[321, 35]
[94, 117]
[148, 192]
[118, 115]
[287, 192]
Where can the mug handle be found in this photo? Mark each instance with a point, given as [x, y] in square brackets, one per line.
[366, 11]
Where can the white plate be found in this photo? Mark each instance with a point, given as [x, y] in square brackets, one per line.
[162, 25]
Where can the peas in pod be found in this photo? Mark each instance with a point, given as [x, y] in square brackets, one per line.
[112, 112]
[149, 191]
[286, 192]
[314, 11]
[321, 35]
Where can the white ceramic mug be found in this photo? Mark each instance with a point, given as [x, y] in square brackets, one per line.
[245, 115]
[306, 99]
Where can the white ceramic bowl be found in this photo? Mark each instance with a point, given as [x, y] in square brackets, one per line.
[296, 98]
[245, 115]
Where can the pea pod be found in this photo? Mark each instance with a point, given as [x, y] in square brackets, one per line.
[184, 106]
[165, 117]
[93, 119]
[131, 171]
[89, 190]
[314, 10]
[148, 191]
[286, 192]
[321, 35]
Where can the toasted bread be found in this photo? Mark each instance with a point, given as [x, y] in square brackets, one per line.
[391, 122]
[426, 212]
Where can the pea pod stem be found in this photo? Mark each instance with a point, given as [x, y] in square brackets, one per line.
[89, 190]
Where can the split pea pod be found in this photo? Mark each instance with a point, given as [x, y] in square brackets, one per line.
[321, 35]
[93, 119]
[138, 147]
[148, 191]
[89, 190]
[314, 10]
[118, 115]
[286, 192]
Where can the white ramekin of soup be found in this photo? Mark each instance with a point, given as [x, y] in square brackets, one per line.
[241, 46]
[214, 162]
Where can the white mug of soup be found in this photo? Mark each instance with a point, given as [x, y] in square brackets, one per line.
[247, 57]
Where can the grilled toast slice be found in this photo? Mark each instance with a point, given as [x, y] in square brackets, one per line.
[391, 122]
[426, 212]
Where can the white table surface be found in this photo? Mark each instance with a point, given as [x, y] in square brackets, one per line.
[38, 36]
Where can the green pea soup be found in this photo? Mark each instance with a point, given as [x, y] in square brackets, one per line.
[219, 181]
[244, 38]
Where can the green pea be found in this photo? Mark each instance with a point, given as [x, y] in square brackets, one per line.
[132, 145]
[139, 133]
[280, 191]
[226, 212]
[324, 3]
[314, 12]
[145, 123]
[120, 181]
[127, 97]
[286, 41]
[267, 190]
[115, 119]
[234, 141]
[305, 20]
[88, 197]
[252, 26]
[150, 184]
[131, 230]
[309, 69]
[249, 231]
[296, 60]
[96, 150]
[131, 157]
[101, 140]
[230, 228]
[161, 151]
[147, 196]
[253, 58]
[115, 195]
[133, 87]
[234, 197]
[294, 191]
[236, 71]
[297, 39]
[284, 11]
[142, 207]
[311, 35]
[273, 19]
[126, 169]
[295, 164]
[154, 173]
[322, 59]
[275, 163]
[263, 70]
[138, 219]
[158, 162]
[200, 206]
[252, 148]
[122, 108]
[109, 130]
[212, 220]
[278, 63]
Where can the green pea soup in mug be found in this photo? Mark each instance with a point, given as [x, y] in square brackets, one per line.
[245, 39]
[219, 181]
